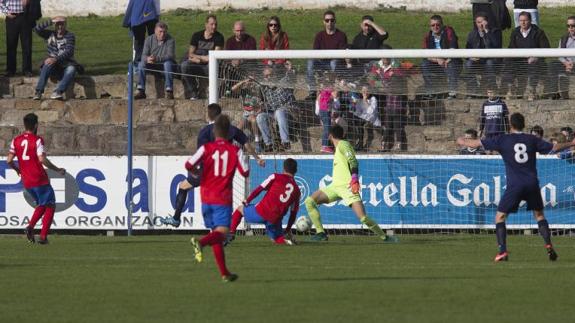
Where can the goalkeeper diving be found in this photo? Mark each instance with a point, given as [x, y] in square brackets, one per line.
[345, 186]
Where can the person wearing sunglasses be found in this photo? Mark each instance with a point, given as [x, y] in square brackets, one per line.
[440, 36]
[274, 38]
[329, 38]
[561, 69]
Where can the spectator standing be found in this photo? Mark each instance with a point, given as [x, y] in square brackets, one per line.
[560, 70]
[526, 35]
[18, 26]
[530, 6]
[323, 104]
[60, 61]
[141, 16]
[495, 10]
[482, 36]
[440, 37]
[471, 134]
[159, 54]
[494, 117]
[371, 36]
[251, 103]
[329, 38]
[367, 110]
[274, 38]
[196, 62]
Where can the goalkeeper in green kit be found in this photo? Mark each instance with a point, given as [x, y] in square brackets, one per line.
[345, 186]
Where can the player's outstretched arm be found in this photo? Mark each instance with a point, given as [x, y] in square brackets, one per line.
[12, 164]
[46, 162]
[242, 167]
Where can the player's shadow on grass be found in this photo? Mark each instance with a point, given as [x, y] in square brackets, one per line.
[350, 279]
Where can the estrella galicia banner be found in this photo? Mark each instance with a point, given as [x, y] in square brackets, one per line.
[433, 191]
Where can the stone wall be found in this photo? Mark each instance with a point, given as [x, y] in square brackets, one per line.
[169, 127]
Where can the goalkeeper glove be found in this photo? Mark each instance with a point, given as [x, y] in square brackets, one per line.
[354, 184]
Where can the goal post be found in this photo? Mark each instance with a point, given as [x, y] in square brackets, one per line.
[425, 185]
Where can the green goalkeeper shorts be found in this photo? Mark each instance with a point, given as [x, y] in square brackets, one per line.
[342, 192]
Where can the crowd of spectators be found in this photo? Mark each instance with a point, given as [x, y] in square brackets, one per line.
[364, 96]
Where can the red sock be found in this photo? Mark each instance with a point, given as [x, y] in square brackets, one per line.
[218, 250]
[280, 240]
[212, 238]
[38, 212]
[47, 222]
[236, 219]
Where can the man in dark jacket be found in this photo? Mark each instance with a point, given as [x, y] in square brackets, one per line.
[440, 37]
[482, 36]
[496, 11]
[526, 35]
[561, 69]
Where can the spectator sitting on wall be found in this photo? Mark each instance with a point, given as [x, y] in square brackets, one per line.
[525, 70]
[440, 37]
[329, 38]
[494, 117]
[561, 69]
[537, 131]
[529, 6]
[196, 61]
[371, 36]
[158, 54]
[249, 93]
[60, 61]
[277, 99]
[496, 11]
[274, 38]
[482, 36]
[471, 134]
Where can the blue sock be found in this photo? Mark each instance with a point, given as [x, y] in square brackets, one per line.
[501, 233]
[544, 231]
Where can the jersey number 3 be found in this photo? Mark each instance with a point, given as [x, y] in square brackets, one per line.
[520, 153]
[289, 189]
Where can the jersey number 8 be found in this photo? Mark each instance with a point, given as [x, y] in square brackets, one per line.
[521, 153]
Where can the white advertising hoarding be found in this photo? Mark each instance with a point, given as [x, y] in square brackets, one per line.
[93, 194]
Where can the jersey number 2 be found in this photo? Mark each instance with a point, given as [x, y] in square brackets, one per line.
[521, 153]
[25, 152]
[289, 190]
[224, 157]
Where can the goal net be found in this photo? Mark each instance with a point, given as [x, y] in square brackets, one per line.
[403, 110]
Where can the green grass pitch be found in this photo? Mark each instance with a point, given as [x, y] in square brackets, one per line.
[425, 278]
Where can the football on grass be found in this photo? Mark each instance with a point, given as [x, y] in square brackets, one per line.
[303, 223]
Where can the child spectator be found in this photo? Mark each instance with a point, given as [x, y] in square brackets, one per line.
[471, 134]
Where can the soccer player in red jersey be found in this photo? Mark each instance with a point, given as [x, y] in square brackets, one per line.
[29, 149]
[220, 160]
[282, 192]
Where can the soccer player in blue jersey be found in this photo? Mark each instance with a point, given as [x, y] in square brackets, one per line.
[518, 151]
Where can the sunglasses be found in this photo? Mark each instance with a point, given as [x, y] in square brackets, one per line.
[570, 26]
[434, 25]
[272, 25]
[329, 20]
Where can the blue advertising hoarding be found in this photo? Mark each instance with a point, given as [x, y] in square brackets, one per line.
[432, 191]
